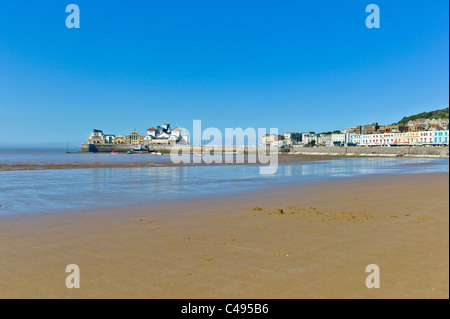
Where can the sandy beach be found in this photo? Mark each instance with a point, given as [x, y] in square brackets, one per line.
[308, 241]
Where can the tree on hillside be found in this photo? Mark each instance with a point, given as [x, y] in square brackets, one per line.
[438, 114]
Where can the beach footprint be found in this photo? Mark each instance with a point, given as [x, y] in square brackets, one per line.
[144, 222]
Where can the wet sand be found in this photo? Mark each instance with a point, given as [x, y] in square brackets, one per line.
[310, 241]
[282, 159]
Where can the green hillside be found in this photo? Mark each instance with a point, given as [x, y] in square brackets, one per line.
[426, 115]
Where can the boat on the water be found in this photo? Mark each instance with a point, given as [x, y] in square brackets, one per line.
[140, 150]
[129, 152]
[114, 153]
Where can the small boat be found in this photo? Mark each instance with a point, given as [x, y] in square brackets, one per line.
[198, 154]
[129, 152]
[140, 150]
[157, 153]
[114, 153]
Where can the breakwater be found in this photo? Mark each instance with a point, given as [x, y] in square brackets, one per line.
[106, 148]
[411, 151]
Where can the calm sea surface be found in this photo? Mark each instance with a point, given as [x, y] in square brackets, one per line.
[28, 192]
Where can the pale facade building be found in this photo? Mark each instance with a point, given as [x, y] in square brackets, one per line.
[109, 138]
[134, 138]
[310, 138]
[163, 135]
[391, 139]
[96, 137]
[325, 140]
[341, 139]
[291, 138]
[119, 140]
[270, 139]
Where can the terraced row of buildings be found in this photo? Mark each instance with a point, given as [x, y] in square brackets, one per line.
[420, 132]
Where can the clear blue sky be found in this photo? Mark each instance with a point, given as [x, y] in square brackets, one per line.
[295, 65]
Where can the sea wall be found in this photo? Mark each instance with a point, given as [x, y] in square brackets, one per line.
[374, 151]
[106, 148]
[412, 151]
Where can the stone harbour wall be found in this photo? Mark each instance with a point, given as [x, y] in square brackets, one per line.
[374, 151]
[413, 151]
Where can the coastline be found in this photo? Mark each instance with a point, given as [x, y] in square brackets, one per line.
[226, 248]
[283, 159]
[373, 150]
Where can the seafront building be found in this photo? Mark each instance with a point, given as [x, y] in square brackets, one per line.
[340, 139]
[292, 138]
[326, 139]
[418, 132]
[159, 135]
[163, 135]
[392, 139]
[420, 138]
[97, 137]
[440, 137]
[271, 140]
[370, 128]
[134, 138]
[367, 135]
[119, 140]
[310, 139]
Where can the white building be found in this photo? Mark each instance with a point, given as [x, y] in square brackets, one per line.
[386, 139]
[163, 135]
[309, 138]
[291, 138]
[109, 138]
[96, 137]
[426, 137]
[366, 140]
[325, 140]
[383, 139]
[341, 139]
[270, 139]
[355, 139]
